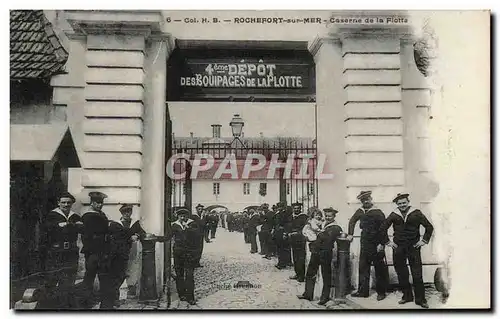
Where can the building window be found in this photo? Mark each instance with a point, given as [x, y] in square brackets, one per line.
[246, 188]
[263, 189]
[310, 188]
[288, 188]
[216, 188]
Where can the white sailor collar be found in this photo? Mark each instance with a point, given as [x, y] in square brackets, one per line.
[398, 212]
[367, 210]
[189, 221]
[328, 225]
[295, 216]
[60, 212]
[132, 222]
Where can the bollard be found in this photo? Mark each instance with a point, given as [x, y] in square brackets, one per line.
[343, 245]
[148, 293]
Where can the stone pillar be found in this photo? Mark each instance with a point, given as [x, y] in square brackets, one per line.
[373, 116]
[124, 91]
[153, 151]
[330, 123]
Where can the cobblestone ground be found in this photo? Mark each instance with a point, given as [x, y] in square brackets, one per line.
[227, 260]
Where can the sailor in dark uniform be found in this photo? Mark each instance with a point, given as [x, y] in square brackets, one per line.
[265, 230]
[230, 222]
[96, 248]
[253, 222]
[184, 231]
[322, 255]
[281, 223]
[205, 217]
[372, 249]
[298, 241]
[406, 222]
[196, 216]
[62, 226]
[122, 233]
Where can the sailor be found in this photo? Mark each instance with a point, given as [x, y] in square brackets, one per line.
[122, 233]
[62, 226]
[185, 231]
[281, 221]
[265, 230]
[372, 250]
[213, 222]
[406, 245]
[253, 223]
[96, 248]
[196, 216]
[322, 255]
[298, 241]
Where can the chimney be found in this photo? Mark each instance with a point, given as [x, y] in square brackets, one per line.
[216, 130]
[191, 135]
[261, 135]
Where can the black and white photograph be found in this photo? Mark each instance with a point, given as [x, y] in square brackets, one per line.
[249, 160]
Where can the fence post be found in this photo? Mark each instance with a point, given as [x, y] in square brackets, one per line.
[148, 293]
[343, 247]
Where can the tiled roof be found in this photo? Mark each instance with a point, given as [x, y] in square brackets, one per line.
[35, 50]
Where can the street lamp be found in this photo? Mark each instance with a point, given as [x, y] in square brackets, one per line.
[237, 125]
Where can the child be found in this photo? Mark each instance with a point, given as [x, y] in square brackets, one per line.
[314, 225]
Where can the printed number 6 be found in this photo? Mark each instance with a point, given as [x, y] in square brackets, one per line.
[169, 19]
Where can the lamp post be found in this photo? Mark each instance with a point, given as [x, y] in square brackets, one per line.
[237, 124]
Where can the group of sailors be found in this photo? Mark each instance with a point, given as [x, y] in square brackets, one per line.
[106, 248]
[284, 231]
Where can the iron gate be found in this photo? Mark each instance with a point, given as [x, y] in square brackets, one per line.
[290, 152]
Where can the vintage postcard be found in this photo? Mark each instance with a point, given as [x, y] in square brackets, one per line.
[239, 160]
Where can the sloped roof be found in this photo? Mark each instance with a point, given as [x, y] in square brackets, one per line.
[263, 142]
[35, 50]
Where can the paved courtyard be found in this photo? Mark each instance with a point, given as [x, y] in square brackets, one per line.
[227, 261]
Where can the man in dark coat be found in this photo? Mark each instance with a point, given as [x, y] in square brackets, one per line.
[122, 233]
[298, 241]
[245, 218]
[62, 226]
[206, 225]
[196, 216]
[322, 255]
[213, 223]
[372, 249]
[230, 222]
[184, 231]
[96, 246]
[406, 222]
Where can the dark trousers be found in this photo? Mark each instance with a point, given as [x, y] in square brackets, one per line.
[368, 255]
[323, 259]
[299, 257]
[61, 267]
[213, 229]
[252, 236]
[99, 265]
[284, 251]
[263, 239]
[223, 222]
[206, 233]
[400, 255]
[246, 235]
[118, 273]
[199, 251]
[184, 274]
